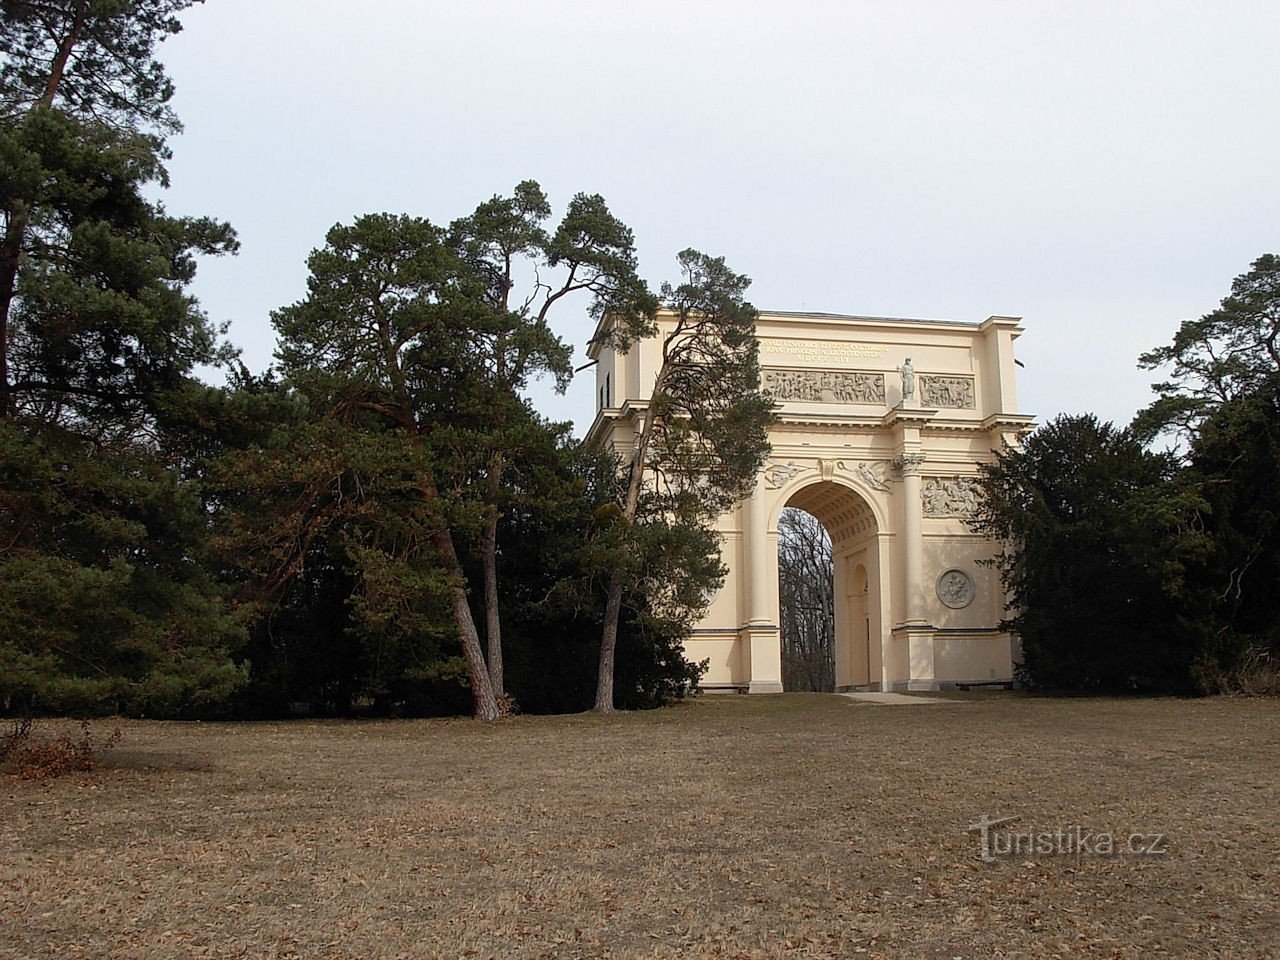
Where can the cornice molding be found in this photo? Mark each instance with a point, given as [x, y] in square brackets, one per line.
[1022, 422]
[908, 416]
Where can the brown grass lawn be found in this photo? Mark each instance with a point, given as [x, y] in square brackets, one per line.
[797, 826]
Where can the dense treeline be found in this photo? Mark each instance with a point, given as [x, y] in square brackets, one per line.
[378, 523]
[1147, 557]
[381, 522]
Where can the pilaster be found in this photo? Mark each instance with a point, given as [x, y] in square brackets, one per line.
[914, 631]
[908, 465]
[760, 636]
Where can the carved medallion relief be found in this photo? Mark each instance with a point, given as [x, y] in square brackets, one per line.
[955, 588]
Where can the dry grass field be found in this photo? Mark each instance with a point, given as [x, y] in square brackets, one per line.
[796, 826]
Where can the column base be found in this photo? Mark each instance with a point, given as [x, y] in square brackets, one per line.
[921, 672]
[762, 656]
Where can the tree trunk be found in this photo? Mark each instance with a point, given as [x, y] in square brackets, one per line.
[613, 600]
[10, 254]
[15, 232]
[489, 539]
[489, 560]
[609, 644]
[486, 704]
[493, 620]
[60, 59]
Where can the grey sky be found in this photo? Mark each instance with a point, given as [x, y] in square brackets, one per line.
[1101, 169]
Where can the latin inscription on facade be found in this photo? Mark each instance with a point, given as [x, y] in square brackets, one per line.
[823, 386]
[821, 351]
[954, 392]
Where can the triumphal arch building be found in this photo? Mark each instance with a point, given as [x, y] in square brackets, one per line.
[882, 426]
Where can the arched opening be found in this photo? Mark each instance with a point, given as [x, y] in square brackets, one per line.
[829, 590]
[806, 603]
[860, 626]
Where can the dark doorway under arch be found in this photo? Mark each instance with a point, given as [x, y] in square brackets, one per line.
[829, 590]
[806, 603]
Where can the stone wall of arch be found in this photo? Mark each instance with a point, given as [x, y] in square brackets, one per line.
[889, 474]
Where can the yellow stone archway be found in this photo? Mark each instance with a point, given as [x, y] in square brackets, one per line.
[882, 426]
[856, 553]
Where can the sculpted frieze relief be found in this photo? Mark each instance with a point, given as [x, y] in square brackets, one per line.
[777, 474]
[954, 392]
[872, 472]
[823, 386]
[949, 497]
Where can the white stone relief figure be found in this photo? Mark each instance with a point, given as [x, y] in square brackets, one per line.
[777, 474]
[873, 474]
[935, 498]
[954, 497]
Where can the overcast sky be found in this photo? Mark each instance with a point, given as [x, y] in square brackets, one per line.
[1102, 170]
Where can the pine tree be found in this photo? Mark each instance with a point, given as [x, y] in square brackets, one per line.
[703, 441]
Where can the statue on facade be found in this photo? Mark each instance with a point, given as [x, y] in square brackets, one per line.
[908, 380]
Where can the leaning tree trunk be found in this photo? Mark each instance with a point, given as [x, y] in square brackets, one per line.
[613, 600]
[58, 66]
[486, 704]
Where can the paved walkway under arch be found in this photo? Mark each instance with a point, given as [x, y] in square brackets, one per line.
[893, 698]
